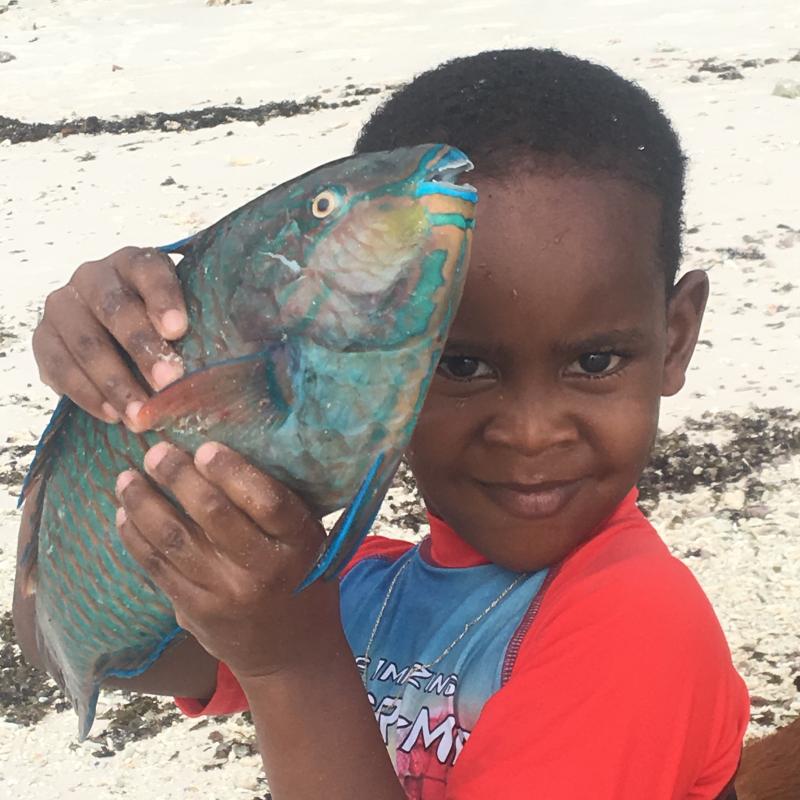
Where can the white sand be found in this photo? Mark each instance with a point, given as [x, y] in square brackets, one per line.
[59, 209]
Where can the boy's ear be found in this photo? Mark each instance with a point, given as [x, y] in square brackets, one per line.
[684, 315]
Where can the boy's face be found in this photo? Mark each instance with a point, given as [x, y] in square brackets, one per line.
[545, 405]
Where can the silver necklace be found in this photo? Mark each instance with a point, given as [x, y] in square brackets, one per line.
[511, 586]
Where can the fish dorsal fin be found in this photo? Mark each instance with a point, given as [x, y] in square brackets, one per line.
[355, 521]
[252, 389]
[62, 412]
[181, 247]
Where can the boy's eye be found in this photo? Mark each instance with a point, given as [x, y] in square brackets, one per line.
[464, 368]
[597, 364]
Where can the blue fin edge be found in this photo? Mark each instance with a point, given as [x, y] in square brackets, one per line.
[176, 247]
[151, 659]
[342, 536]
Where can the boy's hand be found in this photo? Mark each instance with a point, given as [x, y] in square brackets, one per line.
[231, 566]
[133, 297]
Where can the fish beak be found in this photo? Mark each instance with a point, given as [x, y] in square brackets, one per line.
[441, 174]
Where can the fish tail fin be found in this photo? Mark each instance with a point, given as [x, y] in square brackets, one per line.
[85, 704]
[81, 691]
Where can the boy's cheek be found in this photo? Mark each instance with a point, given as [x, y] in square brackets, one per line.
[632, 441]
[443, 417]
[624, 422]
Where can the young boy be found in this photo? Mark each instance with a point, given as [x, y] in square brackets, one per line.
[541, 642]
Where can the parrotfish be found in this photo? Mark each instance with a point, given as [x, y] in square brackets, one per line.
[317, 315]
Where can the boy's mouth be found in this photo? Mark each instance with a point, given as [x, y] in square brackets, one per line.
[532, 501]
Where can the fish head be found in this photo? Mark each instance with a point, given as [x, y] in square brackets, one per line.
[387, 212]
[369, 248]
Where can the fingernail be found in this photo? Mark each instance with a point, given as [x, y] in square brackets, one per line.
[166, 372]
[110, 413]
[155, 455]
[124, 480]
[173, 323]
[132, 409]
[121, 517]
[131, 412]
[205, 453]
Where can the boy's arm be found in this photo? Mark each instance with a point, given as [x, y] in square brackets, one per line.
[317, 732]
[184, 670]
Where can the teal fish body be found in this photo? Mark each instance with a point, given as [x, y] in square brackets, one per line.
[317, 314]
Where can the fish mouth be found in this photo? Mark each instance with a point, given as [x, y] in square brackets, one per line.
[440, 176]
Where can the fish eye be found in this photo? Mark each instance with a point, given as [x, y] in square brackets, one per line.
[324, 204]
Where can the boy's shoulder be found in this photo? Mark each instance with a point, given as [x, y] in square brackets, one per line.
[628, 554]
[624, 669]
[627, 585]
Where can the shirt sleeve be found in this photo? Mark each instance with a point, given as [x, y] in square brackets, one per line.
[228, 697]
[623, 689]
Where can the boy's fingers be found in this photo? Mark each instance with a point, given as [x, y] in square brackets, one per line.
[269, 503]
[152, 273]
[229, 530]
[61, 372]
[152, 560]
[118, 307]
[92, 348]
[170, 535]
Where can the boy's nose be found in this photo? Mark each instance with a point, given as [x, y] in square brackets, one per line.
[531, 422]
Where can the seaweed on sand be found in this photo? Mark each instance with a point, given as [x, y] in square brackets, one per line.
[26, 693]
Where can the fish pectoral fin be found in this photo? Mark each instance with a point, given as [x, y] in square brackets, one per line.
[241, 391]
[355, 521]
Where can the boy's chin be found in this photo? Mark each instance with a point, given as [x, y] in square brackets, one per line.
[529, 535]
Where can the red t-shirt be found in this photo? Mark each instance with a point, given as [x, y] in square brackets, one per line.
[617, 683]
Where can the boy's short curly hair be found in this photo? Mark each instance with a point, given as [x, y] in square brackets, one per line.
[505, 105]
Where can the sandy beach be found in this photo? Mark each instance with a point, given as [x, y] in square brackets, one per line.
[139, 123]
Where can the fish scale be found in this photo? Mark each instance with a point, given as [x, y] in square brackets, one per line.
[313, 337]
[84, 528]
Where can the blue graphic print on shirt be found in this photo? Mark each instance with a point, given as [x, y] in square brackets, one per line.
[427, 683]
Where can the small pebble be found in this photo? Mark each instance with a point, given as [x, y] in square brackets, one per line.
[787, 88]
